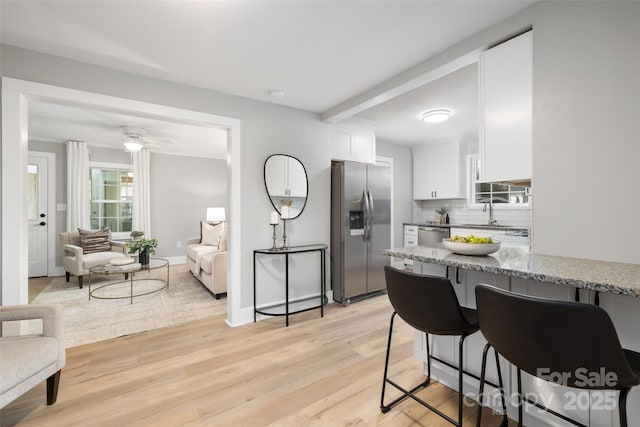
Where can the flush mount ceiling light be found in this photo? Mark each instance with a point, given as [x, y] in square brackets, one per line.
[436, 116]
[134, 134]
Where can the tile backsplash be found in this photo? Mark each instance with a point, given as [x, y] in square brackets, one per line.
[425, 210]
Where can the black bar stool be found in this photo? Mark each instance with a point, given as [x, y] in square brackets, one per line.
[561, 337]
[428, 304]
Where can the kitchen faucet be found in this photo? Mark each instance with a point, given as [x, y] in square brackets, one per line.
[484, 209]
[489, 201]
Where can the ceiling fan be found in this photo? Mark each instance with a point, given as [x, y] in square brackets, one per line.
[134, 138]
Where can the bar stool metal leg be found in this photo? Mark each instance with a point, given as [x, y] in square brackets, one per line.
[406, 393]
[428, 304]
[622, 406]
[410, 393]
[384, 408]
[460, 377]
[483, 371]
[520, 398]
[426, 337]
[505, 419]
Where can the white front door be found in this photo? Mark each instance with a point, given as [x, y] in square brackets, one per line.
[37, 214]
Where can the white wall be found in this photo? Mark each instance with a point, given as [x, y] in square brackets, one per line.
[265, 129]
[107, 155]
[402, 186]
[182, 188]
[586, 112]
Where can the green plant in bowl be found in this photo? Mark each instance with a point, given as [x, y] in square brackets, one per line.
[142, 245]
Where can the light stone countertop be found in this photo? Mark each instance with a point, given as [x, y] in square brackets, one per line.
[602, 276]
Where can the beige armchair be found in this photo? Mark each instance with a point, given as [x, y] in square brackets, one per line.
[76, 262]
[28, 360]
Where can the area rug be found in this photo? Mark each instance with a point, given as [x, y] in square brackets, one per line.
[87, 321]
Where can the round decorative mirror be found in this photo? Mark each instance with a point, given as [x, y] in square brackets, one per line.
[286, 181]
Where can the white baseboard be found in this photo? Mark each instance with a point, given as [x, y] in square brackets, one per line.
[246, 313]
[281, 302]
[246, 316]
[177, 259]
[58, 271]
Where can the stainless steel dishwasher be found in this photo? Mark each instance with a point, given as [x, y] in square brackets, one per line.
[432, 236]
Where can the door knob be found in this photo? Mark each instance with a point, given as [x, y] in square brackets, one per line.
[42, 215]
[42, 223]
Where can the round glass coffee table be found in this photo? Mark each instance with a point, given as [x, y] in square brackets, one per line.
[132, 274]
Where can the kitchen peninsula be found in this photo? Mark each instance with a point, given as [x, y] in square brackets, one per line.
[612, 285]
[599, 276]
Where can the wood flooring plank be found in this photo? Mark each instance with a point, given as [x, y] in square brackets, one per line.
[317, 372]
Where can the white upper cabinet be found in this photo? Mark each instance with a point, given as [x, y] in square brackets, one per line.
[437, 172]
[357, 145]
[505, 111]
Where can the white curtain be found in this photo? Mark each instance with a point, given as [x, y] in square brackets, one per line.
[78, 192]
[141, 192]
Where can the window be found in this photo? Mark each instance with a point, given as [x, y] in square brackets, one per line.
[499, 194]
[111, 198]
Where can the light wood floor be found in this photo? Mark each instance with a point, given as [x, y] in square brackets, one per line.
[324, 372]
[36, 285]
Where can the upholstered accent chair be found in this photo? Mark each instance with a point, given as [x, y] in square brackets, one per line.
[79, 255]
[207, 257]
[27, 360]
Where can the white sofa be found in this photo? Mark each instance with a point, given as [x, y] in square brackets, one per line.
[27, 360]
[207, 258]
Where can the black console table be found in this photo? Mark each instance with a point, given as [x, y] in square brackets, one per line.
[291, 307]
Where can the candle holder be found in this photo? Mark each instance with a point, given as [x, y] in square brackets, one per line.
[284, 234]
[274, 248]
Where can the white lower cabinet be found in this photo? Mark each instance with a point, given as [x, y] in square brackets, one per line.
[430, 269]
[410, 240]
[590, 409]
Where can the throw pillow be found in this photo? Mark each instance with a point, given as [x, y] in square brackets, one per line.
[93, 241]
[211, 234]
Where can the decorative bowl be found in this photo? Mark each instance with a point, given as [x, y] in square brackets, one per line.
[476, 249]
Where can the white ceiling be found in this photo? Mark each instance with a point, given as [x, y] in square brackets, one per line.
[320, 53]
[59, 123]
[398, 120]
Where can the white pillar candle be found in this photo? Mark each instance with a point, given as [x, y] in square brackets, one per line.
[284, 212]
[274, 218]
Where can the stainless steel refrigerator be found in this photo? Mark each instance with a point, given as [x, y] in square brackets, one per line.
[360, 229]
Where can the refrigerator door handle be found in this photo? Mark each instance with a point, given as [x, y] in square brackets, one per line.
[367, 215]
[371, 211]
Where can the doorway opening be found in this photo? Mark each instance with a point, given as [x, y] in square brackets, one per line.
[17, 95]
